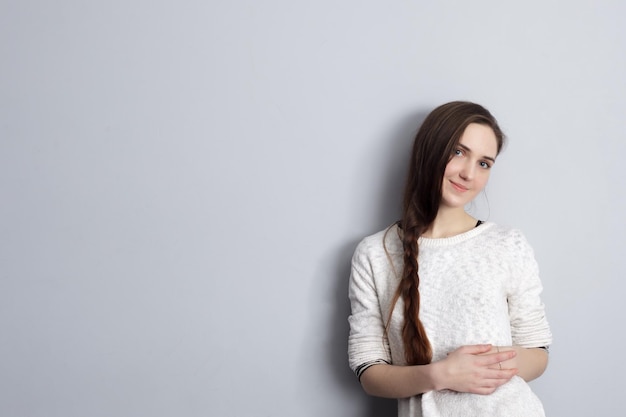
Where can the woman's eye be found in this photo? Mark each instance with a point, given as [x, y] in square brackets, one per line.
[485, 165]
[458, 152]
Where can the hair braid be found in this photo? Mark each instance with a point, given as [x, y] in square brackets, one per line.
[413, 332]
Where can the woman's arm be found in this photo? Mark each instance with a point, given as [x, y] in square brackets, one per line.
[531, 362]
[468, 369]
[529, 326]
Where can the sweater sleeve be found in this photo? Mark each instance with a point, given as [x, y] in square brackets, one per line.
[367, 343]
[529, 326]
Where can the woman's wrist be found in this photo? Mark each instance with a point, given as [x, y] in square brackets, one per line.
[436, 375]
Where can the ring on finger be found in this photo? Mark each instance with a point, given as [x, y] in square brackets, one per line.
[499, 363]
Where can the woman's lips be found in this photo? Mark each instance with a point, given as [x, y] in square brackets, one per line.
[459, 187]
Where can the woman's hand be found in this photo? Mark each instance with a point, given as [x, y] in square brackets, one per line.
[475, 369]
[507, 364]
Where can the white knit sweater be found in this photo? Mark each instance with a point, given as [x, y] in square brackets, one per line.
[481, 286]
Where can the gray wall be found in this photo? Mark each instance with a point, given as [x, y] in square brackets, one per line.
[183, 184]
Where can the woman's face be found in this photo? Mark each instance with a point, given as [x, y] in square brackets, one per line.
[468, 170]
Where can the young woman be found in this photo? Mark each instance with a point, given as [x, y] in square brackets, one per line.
[446, 309]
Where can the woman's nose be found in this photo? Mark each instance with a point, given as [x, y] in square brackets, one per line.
[467, 171]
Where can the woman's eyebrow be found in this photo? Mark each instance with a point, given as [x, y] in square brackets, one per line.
[468, 150]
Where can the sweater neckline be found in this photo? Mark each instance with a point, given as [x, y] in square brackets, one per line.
[453, 240]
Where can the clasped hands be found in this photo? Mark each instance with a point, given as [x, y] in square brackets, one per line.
[478, 369]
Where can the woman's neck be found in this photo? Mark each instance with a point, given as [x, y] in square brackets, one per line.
[450, 222]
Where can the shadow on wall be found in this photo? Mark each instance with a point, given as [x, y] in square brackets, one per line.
[394, 155]
[394, 160]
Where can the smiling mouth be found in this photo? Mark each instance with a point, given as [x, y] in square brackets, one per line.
[459, 187]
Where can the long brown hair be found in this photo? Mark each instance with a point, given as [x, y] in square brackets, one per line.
[434, 145]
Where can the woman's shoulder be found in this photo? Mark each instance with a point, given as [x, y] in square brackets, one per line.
[380, 243]
[507, 237]
[503, 232]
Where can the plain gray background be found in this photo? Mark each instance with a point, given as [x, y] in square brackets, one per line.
[183, 184]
